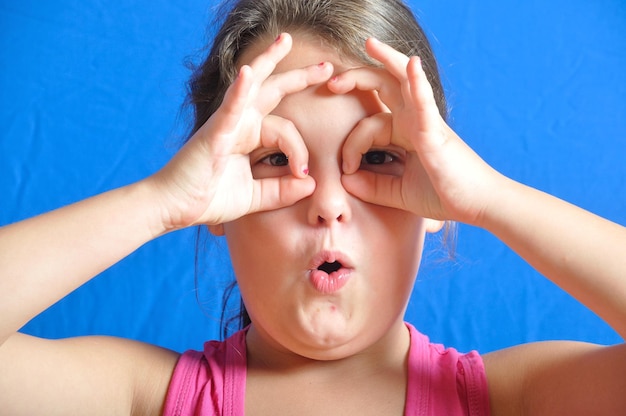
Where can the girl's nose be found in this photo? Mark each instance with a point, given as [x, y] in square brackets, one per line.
[330, 202]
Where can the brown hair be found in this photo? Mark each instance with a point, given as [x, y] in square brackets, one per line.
[341, 24]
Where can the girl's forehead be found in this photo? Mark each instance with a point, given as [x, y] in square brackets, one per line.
[317, 107]
[323, 117]
[306, 50]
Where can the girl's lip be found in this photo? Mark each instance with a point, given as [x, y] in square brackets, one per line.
[328, 283]
[330, 256]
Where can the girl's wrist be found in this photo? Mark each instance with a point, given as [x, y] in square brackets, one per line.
[497, 206]
[508, 206]
[152, 204]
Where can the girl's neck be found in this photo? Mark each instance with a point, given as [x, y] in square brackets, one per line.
[389, 352]
[372, 381]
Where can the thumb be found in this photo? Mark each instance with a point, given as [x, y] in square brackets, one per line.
[375, 188]
[275, 193]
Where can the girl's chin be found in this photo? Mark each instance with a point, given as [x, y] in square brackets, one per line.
[327, 323]
[323, 330]
[327, 349]
[327, 336]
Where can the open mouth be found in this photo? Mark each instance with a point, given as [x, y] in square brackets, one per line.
[329, 267]
[330, 271]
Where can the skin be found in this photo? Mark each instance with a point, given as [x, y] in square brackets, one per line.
[293, 324]
[356, 368]
[272, 267]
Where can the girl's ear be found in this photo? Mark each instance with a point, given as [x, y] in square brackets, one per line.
[217, 229]
[433, 226]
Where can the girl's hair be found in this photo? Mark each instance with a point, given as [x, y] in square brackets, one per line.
[342, 24]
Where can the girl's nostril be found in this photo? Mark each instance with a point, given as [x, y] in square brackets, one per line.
[322, 220]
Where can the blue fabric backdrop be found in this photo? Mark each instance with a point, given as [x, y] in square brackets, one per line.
[90, 93]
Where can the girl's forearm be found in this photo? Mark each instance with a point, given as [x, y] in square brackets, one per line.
[44, 258]
[582, 253]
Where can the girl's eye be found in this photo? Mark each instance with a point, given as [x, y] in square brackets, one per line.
[386, 162]
[275, 159]
[269, 165]
[377, 157]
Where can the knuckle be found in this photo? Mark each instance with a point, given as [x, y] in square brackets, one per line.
[286, 125]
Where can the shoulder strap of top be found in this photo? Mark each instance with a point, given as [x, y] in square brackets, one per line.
[210, 382]
[444, 382]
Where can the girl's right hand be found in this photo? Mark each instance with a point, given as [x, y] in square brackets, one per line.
[210, 181]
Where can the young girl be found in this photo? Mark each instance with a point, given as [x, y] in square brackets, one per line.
[321, 152]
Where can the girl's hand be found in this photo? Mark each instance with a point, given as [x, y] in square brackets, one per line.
[442, 177]
[210, 181]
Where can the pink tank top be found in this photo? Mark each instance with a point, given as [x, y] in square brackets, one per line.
[441, 381]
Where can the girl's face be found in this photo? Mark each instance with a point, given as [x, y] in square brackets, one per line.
[367, 255]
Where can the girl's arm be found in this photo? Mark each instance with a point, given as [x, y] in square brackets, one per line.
[41, 260]
[586, 256]
[582, 253]
[44, 258]
[445, 180]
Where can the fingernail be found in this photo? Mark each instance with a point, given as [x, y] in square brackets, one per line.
[305, 169]
[321, 64]
[334, 79]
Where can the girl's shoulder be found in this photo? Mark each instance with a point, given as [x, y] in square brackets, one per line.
[83, 375]
[557, 377]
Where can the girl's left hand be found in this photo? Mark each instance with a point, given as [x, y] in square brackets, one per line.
[442, 178]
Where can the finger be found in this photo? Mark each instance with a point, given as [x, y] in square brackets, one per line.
[278, 132]
[277, 86]
[275, 193]
[422, 96]
[395, 62]
[370, 79]
[235, 100]
[369, 132]
[375, 188]
[265, 64]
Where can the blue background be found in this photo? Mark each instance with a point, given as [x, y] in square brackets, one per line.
[90, 96]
